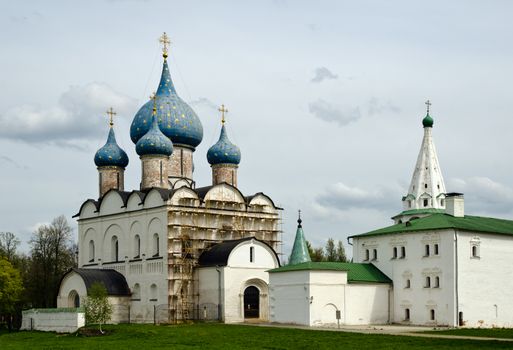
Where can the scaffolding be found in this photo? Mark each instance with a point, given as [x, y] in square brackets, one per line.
[194, 229]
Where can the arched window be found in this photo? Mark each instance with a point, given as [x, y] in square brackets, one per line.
[406, 314]
[426, 250]
[425, 202]
[432, 314]
[394, 253]
[114, 249]
[436, 249]
[156, 242]
[136, 292]
[251, 254]
[366, 254]
[428, 282]
[91, 251]
[153, 292]
[403, 252]
[475, 251]
[374, 254]
[137, 246]
[408, 283]
[437, 282]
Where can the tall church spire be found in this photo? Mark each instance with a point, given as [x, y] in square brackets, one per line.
[300, 252]
[427, 189]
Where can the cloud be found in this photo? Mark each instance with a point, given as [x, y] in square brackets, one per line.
[12, 162]
[204, 102]
[375, 107]
[342, 197]
[484, 194]
[79, 115]
[325, 111]
[323, 73]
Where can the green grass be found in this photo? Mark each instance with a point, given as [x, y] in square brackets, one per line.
[478, 332]
[227, 337]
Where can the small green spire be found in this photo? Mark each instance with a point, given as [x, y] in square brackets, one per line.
[299, 250]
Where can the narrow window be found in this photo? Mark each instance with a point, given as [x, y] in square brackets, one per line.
[156, 244]
[137, 246]
[428, 282]
[425, 185]
[91, 251]
[233, 178]
[161, 172]
[366, 254]
[438, 186]
[409, 204]
[432, 314]
[475, 251]
[117, 180]
[437, 282]
[406, 314]
[425, 202]
[436, 249]
[426, 250]
[403, 252]
[251, 254]
[181, 162]
[394, 254]
[374, 254]
[442, 202]
[408, 284]
[114, 248]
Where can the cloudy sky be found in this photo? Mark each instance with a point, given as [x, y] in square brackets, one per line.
[325, 98]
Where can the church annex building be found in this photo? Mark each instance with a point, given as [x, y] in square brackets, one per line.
[172, 251]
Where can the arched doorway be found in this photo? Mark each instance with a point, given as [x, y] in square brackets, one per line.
[73, 299]
[251, 302]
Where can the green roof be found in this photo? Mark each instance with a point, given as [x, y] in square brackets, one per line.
[420, 211]
[446, 221]
[356, 272]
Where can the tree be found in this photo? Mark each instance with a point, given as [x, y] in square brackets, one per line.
[52, 255]
[316, 254]
[331, 252]
[8, 245]
[97, 307]
[11, 287]
[341, 252]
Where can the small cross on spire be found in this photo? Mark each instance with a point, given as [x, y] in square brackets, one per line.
[111, 114]
[223, 110]
[164, 40]
[428, 104]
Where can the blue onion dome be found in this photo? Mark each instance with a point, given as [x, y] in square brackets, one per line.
[111, 154]
[224, 151]
[154, 142]
[176, 118]
[427, 122]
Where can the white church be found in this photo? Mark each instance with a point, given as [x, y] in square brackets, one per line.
[172, 251]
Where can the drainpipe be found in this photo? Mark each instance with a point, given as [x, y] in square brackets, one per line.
[219, 308]
[456, 277]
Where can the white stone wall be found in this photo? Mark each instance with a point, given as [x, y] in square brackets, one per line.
[52, 320]
[312, 298]
[415, 266]
[484, 283]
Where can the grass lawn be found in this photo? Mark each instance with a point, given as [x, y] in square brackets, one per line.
[227, 337]
[478, 332]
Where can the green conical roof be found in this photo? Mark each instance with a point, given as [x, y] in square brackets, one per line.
[299, 250]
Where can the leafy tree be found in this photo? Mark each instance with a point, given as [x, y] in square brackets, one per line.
[331, 251]
[52, 255]
[8, 245]
[11, 287]
[341, 252]
[97, 307]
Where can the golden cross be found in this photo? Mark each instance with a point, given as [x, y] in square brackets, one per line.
[111, 114]
[428, 104]
[154, 98]
[223, 111]
[164, 40]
